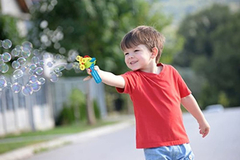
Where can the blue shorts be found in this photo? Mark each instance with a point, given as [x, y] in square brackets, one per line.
[178, 152]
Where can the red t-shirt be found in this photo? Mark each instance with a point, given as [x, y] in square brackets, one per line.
[156, 99]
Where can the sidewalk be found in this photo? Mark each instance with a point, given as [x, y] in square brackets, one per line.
[29, 151]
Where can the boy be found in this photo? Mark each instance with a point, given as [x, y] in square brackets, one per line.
[157, 91]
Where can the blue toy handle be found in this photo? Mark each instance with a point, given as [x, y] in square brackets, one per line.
[95, 75]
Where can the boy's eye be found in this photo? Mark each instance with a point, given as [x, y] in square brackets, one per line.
[136, 50]
[126, 54]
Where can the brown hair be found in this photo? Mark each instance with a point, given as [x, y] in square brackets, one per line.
[145, 35]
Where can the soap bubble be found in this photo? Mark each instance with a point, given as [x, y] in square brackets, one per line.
[41, 80]
[27, 45]
[17, 74]
[25, 52]
[50, 64]
[33, 78]
[33, 66]
[36, 52]
[4, 68]
[15, 52]
[6, 44]
[35, 86]
[3, 83]
[16, 65]
[41, 63]
[59, 69]
[22, 60]
[39, 71]
[16, 88]
[6, 57]
[27, 90]
[24, 68]
[35, 60]
[53, 77]
[69, 66]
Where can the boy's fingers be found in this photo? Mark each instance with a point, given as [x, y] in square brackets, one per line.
[87, 78]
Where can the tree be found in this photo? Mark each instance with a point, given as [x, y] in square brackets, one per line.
[211, 49]
[92, 27]
[197, 29]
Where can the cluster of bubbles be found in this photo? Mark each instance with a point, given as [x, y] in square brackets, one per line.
[25, 60]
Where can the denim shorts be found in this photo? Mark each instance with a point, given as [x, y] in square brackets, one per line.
[178, 152]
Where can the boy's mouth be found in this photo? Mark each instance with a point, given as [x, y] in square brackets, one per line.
[133, 62]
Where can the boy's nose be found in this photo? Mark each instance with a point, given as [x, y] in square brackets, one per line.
[131, 55]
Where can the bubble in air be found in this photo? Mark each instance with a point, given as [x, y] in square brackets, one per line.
[6, 57]
[25, 52]
[41, 63]
[6, 43]
[3, 83]
[39, 71]
[59, 69]
[27, 45]
[36, 52]
[53, 77]
[16, 88]
[41, 80]
[15, 52]
[16, 65]
[27, 90]
[17, 74]
[35, 60]
[69, 66]
[33, 78]
[50, 64]
[35, 86]
[21, 60]
[4, 68]
[33, 66]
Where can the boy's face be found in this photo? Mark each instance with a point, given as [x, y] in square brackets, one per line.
[139, 58]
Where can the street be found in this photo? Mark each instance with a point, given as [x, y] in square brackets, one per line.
[222, 143]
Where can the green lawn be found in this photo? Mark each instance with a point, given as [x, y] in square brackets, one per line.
[70, 129]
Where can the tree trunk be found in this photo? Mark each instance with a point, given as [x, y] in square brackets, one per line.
[90, 110]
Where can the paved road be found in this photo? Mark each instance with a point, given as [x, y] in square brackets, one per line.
[223, 142]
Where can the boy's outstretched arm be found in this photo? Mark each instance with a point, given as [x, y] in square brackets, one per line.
[108, 78]
[190, 103]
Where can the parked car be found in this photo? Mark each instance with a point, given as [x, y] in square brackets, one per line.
[214, 108]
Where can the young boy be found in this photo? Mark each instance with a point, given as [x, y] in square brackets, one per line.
[157, 91]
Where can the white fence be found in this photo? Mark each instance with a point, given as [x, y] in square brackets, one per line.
[39, 110]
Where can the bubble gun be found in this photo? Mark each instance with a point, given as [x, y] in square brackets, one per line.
[88, 62]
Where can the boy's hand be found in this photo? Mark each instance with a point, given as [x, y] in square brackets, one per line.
[89, 72]
[204, 129]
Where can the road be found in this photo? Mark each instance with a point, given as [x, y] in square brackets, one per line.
[223, 142]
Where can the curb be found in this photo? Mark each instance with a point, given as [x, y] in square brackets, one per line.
[29, 151]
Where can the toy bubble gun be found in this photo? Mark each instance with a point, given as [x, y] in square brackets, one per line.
[88, 62]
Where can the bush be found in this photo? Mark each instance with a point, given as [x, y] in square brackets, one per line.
[76, 110]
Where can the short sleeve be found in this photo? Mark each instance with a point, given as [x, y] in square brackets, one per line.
[182, 86]
[130, 82]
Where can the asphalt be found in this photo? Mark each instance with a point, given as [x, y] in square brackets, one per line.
[55, 142]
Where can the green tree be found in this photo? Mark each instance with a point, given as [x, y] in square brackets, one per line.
[211, 49]
[92, 27]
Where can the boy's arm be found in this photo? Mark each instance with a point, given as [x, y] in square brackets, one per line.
[108, 78]
[191, 105]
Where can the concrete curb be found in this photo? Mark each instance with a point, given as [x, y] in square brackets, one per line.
[29, 151]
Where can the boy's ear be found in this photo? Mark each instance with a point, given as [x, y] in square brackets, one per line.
[154, 52]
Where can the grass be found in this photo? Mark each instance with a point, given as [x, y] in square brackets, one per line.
[59, 130]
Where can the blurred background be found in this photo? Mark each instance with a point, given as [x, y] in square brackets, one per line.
[202, 42]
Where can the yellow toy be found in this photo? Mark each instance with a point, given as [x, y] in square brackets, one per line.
[88, 62]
